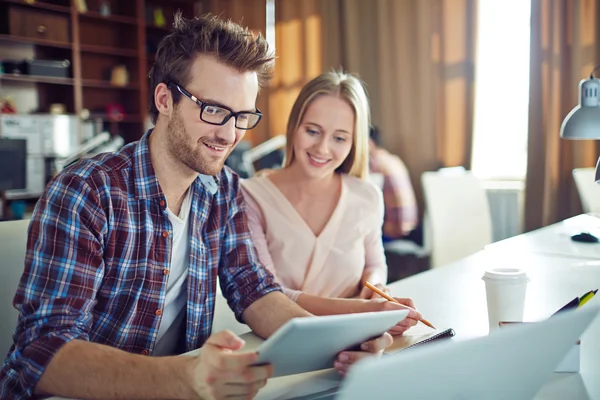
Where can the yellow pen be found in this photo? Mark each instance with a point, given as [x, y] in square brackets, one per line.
[586, 298]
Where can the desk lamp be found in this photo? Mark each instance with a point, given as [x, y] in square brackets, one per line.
[583, 122]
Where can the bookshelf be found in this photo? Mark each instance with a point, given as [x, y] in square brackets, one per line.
[108, 33]
[95, 39]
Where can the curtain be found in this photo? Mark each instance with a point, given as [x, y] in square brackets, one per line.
[564, 49]
[251, 14]
[416, 58]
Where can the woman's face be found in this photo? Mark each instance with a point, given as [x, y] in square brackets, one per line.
[324, 137]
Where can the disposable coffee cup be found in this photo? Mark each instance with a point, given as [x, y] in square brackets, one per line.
[505, 290]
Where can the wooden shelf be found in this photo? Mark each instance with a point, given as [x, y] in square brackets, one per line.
[165, 29]
[39, 42]
[98, 83]
[109, 50]
[36, 79]
[133, 118]
[41, 6]
[110, 18]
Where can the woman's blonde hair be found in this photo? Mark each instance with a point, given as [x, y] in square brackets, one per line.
[348, 88]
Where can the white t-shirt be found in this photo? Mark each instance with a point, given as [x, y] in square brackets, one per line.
[170, 330]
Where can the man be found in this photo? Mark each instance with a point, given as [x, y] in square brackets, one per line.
[401, 213]
[124, 250]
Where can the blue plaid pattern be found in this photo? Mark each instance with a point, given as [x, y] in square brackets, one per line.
[97, 263]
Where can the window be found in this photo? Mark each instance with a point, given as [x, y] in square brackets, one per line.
[501, 90]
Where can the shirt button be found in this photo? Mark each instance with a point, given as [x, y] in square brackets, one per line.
[162, 203]
[166, 271]
[158, 312]
[165, 234]
[144, 352]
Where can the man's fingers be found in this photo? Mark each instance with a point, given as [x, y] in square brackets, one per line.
[239, 389]
[226, 339]
[250, 375]
[233, 361]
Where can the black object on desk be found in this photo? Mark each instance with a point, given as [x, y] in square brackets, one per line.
[573, 304]
[584, 237]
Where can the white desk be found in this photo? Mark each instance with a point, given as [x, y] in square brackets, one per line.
[454, 296]
[556, 240]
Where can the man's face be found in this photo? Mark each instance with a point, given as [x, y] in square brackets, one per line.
[199, 145]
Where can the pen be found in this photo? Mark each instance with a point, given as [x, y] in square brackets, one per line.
[390, 298]
[570, 305]
[586, 297]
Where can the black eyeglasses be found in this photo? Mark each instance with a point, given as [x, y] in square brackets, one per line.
[219, 115]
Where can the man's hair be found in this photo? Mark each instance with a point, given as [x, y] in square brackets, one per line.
[231, 44]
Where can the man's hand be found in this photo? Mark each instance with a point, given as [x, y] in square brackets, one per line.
[372, 348]
[220, 373]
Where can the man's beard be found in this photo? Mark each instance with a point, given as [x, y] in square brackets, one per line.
[179, 146]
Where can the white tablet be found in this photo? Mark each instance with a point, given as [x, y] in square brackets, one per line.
[312, 343]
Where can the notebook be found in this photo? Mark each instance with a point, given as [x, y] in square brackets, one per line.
[417, 336]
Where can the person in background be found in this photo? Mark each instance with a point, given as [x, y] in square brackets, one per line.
[124, 249]
[401, 213]
[316, 222]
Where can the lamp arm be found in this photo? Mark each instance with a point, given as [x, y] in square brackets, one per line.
[595, 69]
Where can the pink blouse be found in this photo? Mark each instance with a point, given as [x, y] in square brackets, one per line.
[330, 264]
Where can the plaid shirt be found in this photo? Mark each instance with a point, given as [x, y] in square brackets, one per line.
[401, 212]
[97, 263]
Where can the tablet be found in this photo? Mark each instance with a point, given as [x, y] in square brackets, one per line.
[312, 343]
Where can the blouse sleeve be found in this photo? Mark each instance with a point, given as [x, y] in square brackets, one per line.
[376, 269]
[257, 226]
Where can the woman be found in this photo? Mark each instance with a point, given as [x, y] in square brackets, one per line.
[317, 222]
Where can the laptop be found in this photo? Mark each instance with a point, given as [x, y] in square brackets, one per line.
[511, 363]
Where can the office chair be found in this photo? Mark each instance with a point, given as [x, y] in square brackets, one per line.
[458, 219]
[268, 154]
[588, 189]
[13, 242]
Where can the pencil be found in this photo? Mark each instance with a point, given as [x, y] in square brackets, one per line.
[390, 298]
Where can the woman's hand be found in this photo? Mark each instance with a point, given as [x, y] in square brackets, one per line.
[413, 317]
[367, 293]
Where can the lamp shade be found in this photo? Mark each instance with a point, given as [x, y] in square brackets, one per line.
[583, 122]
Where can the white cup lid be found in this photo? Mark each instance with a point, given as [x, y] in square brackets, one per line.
[505, 275]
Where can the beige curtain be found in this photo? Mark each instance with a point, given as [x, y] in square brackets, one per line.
[301, 38]
[416, 58]
[564, 49]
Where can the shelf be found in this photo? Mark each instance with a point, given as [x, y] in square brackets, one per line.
[164, 29]
[110, 18]
[41, 6]
[39, 42]
[98, 83]
[89, 48]
[36, 79]
[133, 118]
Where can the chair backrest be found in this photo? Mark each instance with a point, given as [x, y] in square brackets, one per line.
[588, 189]
[458, 215]
[13, 241]
[270, 151]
